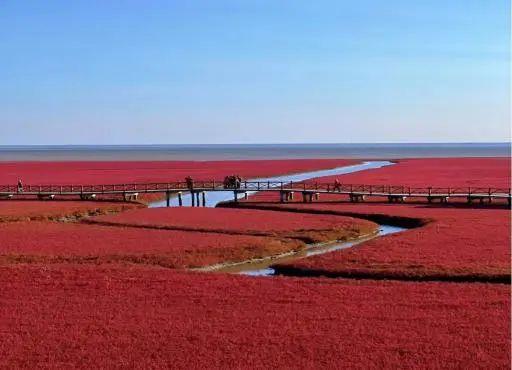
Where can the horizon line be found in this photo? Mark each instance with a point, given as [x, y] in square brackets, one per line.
[261, 144]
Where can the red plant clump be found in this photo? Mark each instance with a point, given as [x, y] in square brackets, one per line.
[312, 228]
[104, 317]
[455, 243]
[76, 173]
[67, 242]
[13, 210]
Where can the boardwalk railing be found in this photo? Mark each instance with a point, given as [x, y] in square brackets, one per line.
[356, 192]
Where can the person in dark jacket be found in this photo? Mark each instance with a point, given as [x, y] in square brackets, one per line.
[337, 185]
[190, 182]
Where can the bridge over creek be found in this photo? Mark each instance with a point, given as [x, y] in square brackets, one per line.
[307, 191]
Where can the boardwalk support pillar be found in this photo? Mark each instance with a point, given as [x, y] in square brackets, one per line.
[203, 196]
[441, 198]
[396, 198]
[285, 196]
[356, 198]
[307, 196]
[128, 197]
[193, 196]
[235, 196]
[180, 199]
[168, 198]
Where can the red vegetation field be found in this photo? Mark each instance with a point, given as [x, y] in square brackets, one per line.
[104, 317]
[13, 210]
[67, 242]
[76, 295]
[309, 227]
[424, 172]
[457, 243]
[469, 244]
[153, 171]
[459, 173]
[438, 172]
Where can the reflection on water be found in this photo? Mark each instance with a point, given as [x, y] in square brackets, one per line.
[215, 197]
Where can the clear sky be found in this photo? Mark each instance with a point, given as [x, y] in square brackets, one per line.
[266, 71]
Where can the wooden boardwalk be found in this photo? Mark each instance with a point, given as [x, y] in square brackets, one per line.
[309, 191]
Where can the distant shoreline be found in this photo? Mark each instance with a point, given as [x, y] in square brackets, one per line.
[204, 152]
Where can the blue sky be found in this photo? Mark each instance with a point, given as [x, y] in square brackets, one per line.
[137, 72]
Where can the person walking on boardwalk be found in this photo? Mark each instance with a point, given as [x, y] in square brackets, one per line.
[337, 185]
[190, 182]
[20, 186]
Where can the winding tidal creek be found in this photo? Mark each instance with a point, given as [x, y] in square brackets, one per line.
[262, 267]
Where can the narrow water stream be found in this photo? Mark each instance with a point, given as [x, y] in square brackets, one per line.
[215, 197]
[261, 267]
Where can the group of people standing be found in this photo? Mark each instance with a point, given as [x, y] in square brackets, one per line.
[235, 181]
[230, 182]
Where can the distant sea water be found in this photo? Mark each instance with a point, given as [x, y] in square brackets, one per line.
[249, 151]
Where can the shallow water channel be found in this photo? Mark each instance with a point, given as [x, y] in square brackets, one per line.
[261, 267]
[215, 197]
